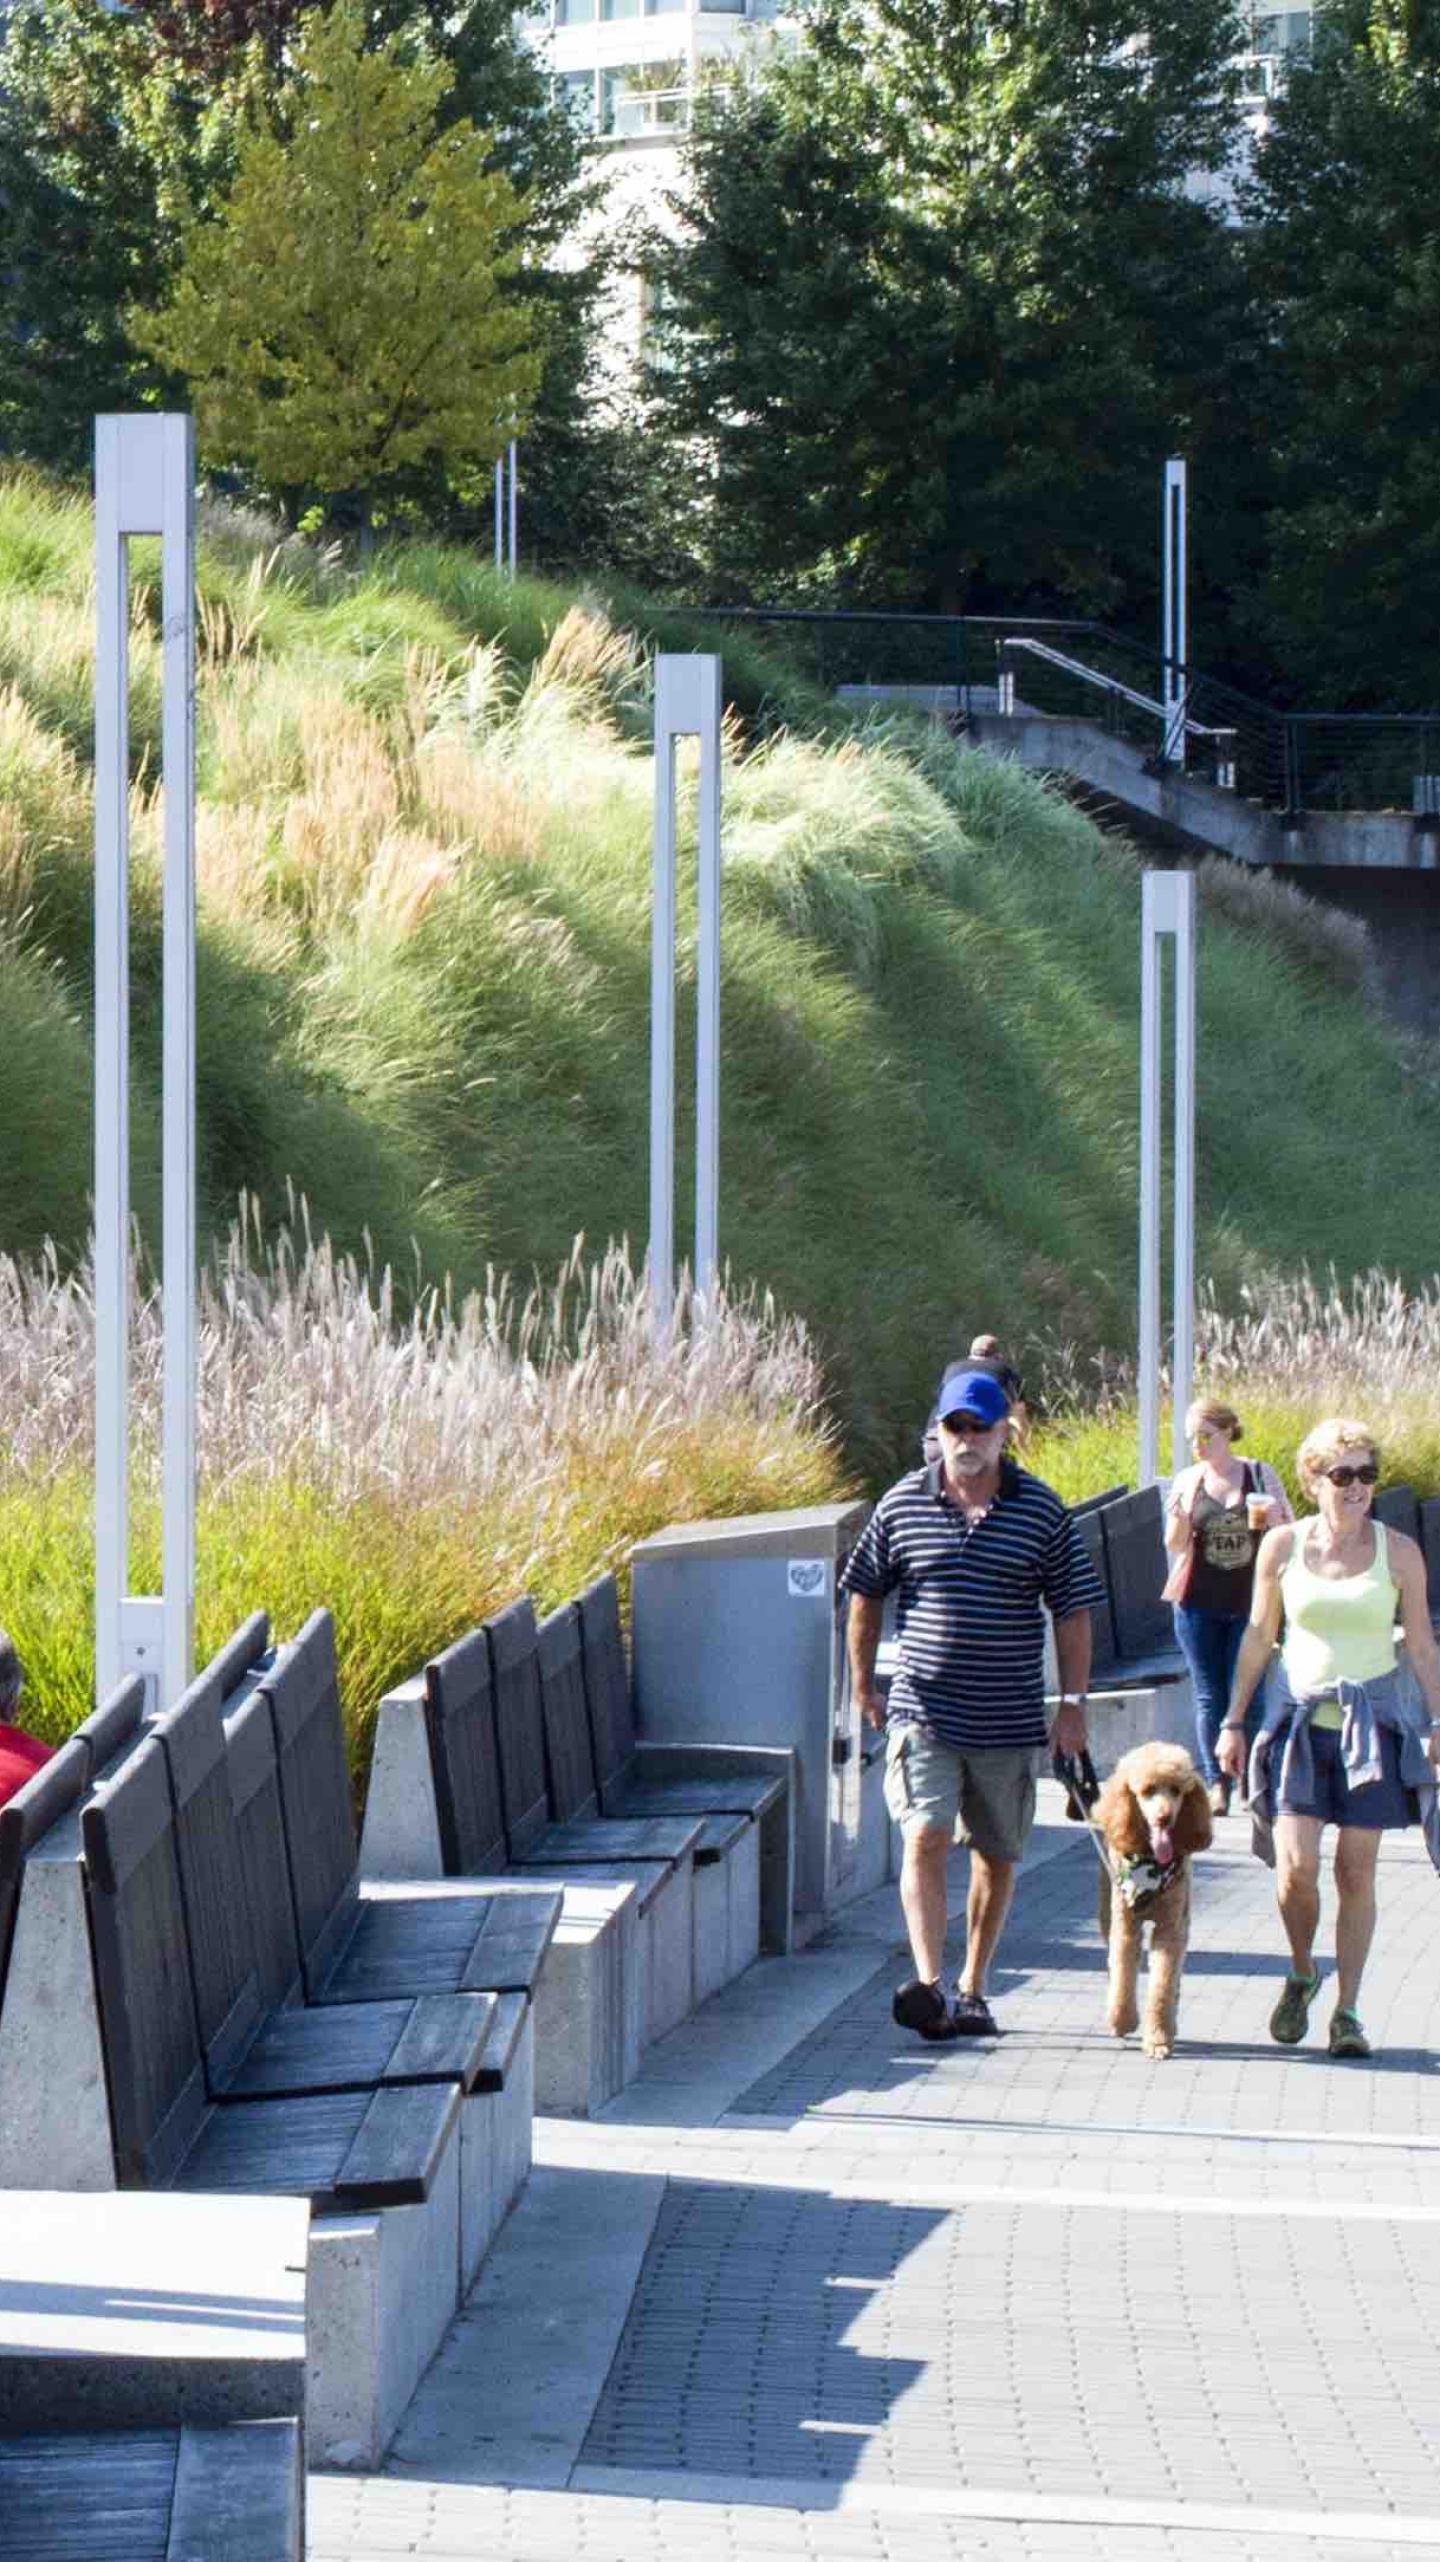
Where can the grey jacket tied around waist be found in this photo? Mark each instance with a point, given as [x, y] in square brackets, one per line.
[1391, 1699]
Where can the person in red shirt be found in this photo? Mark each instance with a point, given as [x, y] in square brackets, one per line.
[20, 1754]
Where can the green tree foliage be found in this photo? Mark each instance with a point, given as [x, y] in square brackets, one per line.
[1348, 261]
[343, 319]
[104, 139]
[943, 300]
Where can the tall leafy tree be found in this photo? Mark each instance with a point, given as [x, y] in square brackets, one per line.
[105, 138]
[343, 319]
[1347, 245]
[945, 293]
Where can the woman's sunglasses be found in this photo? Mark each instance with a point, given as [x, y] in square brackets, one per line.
[1368, 1475]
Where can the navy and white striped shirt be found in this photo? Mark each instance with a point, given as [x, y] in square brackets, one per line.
[970, 1627]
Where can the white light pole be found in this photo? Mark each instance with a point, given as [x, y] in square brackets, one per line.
[144, 484]
[1174, 634]
[505, 511]
[1167, 907]
[688, 703]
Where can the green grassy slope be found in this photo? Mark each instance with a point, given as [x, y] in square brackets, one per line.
[423, 852]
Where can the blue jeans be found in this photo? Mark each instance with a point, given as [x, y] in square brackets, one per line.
[1210, 1644]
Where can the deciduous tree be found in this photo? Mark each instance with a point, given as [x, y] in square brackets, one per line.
[1348, 258]
[945, 294]
[344, 319]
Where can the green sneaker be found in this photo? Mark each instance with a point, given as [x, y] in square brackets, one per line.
[1347, 2037]
[1291, 2015]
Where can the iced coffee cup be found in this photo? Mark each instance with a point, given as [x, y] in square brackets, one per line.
[1257, 1511]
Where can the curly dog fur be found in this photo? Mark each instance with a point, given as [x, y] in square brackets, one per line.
[1154, 1798]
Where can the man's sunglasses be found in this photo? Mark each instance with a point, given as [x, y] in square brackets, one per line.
[1368, 1475]
[971, 1423]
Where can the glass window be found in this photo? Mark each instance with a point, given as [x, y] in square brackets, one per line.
[574, 13]
[662, 8]
[577, 89]
[644, 98]
[619, 8]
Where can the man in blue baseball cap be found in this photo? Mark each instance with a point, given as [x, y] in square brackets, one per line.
[972, 1546]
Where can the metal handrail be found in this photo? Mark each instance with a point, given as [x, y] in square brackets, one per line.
[1112, 685]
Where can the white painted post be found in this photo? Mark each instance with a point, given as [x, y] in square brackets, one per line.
[512, 507]
[499, 512]
[688, 700]
[1167, 907]
[1174, 637]
[144, 484]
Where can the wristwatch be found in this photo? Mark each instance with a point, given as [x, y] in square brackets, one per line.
[1074, 1698]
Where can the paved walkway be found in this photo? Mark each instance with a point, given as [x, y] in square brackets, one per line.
[814, 2290]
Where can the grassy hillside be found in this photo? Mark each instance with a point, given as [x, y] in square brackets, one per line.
[423, 855]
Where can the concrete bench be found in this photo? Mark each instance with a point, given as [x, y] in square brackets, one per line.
[659, 1856]
[258, 2039]
[637, 1778]
[725, 1850]
[384, 1942]
[179, 2494]
[383, 2284]
[434, 1810]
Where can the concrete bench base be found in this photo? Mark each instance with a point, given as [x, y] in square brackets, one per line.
[587, 2029]
[592, 2007]
[727, 1915]
[589, 2009]
[665, 1933]
[383, 2290]
[1120, 1719]
[142, 2310]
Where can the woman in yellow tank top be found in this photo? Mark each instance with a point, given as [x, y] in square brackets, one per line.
[1352, 1737]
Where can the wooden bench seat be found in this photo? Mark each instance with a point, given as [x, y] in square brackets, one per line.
[359, 2148]
[637, 1778]
[354, 1947]
[184, 2494]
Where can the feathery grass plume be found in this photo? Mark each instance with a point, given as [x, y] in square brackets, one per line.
[1296, 1347]
[413, 1471]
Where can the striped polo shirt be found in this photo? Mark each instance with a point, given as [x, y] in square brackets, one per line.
[969, 1623]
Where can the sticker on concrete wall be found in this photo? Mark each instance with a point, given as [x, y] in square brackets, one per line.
[808, 1580]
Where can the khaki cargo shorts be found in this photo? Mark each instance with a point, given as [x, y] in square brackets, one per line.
[987, 1799]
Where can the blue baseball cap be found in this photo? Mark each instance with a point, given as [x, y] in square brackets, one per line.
[974, 1392]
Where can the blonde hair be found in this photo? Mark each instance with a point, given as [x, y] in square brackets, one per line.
[1321, 1448]
[1215, 1415]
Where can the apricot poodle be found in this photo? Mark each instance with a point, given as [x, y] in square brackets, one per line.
[1154, 1814]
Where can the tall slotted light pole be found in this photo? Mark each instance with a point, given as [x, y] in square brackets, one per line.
[1174, 613]
[1167, 909]
[144, 484]
[688, 704]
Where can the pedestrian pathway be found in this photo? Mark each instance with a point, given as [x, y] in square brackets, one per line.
[812, 2289]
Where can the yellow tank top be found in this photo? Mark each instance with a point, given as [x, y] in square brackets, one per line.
[1337, 1628]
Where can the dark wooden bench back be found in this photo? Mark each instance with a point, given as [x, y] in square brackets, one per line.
[1136, 1566]
[114, 1724]
[153, 2064]
[465, 1758]
[1097, 1502]
[1430, 1542]
[254, 1787]
[567, 1731]
[228, 2006]
[51, 1791]
[1399, 1508]
[304, 1696]
[1102, 1626]
[519, 1724]
[607, 1679]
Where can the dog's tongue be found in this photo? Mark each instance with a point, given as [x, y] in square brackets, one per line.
[1162, 1843]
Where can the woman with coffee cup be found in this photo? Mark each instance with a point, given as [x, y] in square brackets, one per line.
[1217, 1513]
[1352, 1733]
